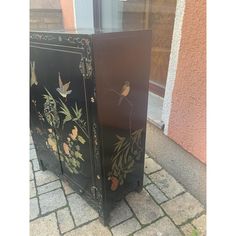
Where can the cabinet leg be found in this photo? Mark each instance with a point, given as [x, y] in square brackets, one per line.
[104, 217]
[42, 166]
[139, 187]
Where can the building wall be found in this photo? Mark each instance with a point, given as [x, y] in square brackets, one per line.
[45, 15]
[67, 7]
[187, 120]
[46, 19]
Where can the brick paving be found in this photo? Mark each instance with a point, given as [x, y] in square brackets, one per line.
[163, 208]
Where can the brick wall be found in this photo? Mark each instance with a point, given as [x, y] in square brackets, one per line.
[46, 19]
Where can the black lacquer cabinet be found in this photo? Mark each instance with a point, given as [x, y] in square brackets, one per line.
[88, 109]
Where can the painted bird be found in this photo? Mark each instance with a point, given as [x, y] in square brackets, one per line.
[124, 91]
[63, 87]
[33, 75]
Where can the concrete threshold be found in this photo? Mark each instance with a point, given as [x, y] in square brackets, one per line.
[187, 170]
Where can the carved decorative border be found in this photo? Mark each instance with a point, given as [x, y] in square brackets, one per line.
[79, 42]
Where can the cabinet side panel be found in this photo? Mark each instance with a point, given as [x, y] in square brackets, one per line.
[122, 62]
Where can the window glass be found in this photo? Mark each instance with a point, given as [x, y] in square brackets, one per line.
[157, 15]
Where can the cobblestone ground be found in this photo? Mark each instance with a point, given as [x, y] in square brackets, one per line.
[163, 208]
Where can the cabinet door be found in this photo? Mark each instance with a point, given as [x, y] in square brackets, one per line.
[43, 117]
[63, 74]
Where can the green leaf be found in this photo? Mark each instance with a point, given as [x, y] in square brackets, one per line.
[65, 111]
[78, 155]
[78, 113]
[81, 139]
[74, 163]
[130, 165]
[120, 138]
[68, 167]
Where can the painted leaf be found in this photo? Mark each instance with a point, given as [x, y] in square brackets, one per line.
[78, 155]
[81, 139]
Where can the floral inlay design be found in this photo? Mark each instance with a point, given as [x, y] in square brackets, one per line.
[50, 110]
[52, 141]
[69, 150]
[126, 151]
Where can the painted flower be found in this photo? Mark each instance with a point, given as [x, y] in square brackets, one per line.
[52, 144]
[74, 133]
[114, 183]
[66, 149]
[50, 130]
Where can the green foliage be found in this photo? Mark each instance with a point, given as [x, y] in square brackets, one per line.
[126, 151]
[50, 110]
[78, 113]
[81, 139]
[65, 111]
[70, 150]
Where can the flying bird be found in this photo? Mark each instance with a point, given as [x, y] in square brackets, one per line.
[124, 91]
[33, 75]
[63, 87]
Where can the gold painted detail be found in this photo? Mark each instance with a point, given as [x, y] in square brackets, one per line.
[69, 149]
[85, 67]
[71, 153]
[127, 150]
[50, 110]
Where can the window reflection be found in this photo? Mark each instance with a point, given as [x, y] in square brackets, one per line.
[157, 15]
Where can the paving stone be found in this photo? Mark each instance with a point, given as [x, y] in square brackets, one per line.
[31, 139]
[91, 229]
[144, 207]
[32, 146]
[34, 208]
[200, 224]
[166, 183]
[44, 226]
[146, 180]
[49, 187]
[182, 208]
[156, 193]
[150, 166]
[65, 220]
[32, 189]
[52, 201]
[163, 227]
[33, 154]
[44, 177]
[31, 172]
[187, 229]
[80, 209]
[67, 188]
[126, 228]
[35, 165]
[120, 213]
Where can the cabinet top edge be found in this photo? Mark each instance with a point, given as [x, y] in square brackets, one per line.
[88, 32]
